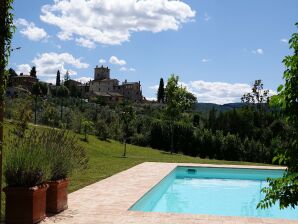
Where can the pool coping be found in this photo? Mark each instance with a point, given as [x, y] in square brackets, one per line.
[108, 200]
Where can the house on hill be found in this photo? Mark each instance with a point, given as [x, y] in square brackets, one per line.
[109, 90]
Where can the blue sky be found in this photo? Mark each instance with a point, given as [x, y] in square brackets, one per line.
[217, 47]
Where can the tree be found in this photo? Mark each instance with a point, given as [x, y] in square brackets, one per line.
[87, 126]
[58, 78]
[62, 92]
[7, 30]
[258, 94]
[127, 117]
[66, 76]
[285, 189]
[38, 89]
[212, 119]
[33, 72]
[11, 73]
[177, 99]
[22, 116]
[161, 92]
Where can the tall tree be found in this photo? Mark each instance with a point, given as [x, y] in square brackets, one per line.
[178, 99]
[58, 78]
[66, 76]
[62, 92]
[38, 89]
[212, 119]
[127, 117]
[258, 95]
[7, 30]
[33, 72]
[285, 189]
[87, 126]
[161, 92]
[11, 73]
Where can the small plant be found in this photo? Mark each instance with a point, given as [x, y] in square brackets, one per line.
[64, 153]
[42, 156]
[26, 163]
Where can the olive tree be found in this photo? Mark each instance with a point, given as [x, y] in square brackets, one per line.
[128, 118]
[62, 92]
[38, 89]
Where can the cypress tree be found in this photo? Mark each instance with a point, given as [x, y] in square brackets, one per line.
[161, 92]
[58, 78]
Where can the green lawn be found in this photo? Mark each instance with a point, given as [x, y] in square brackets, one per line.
[105, 159]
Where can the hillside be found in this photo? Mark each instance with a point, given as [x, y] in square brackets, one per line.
[205, 107]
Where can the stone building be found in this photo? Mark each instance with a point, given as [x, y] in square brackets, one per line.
[110, 90]
[131, 91]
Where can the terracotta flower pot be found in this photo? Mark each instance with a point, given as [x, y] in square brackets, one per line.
[25, 205]
[57, 196]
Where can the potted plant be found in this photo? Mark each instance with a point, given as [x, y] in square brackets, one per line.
[65, 155]
[25, 171]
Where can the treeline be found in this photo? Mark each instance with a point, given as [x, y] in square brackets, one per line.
[246, 134]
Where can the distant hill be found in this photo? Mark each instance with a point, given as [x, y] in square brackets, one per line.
[205, 107]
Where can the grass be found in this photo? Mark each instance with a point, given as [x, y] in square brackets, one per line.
[105, 159]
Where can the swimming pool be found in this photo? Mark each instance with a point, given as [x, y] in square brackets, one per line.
[213, 191]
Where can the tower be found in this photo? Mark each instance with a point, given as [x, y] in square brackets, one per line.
[101, 73]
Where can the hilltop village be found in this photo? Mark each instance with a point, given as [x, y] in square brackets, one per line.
[103, 87]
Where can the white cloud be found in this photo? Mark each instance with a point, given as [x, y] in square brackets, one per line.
[47, 64]
[116, 61]
[206, 17]
[31, 31]
[205, 60]
[23, 68]
[258, 51]
[151, 98]
[124, 69]
[50, 80]
[155, 87]
[216, 92]
[64, 36]
[85, 43]
[83, 79]
[113, 22]
[284, 40]
[102, 61]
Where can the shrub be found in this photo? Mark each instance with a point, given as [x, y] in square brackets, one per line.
[183, 138]
[63, 151]
[231, 146]
[26, 162]
[37, 157]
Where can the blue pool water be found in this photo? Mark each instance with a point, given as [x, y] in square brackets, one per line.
[213, 191]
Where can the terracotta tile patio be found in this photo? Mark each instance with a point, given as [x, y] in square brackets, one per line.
[108, 200]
